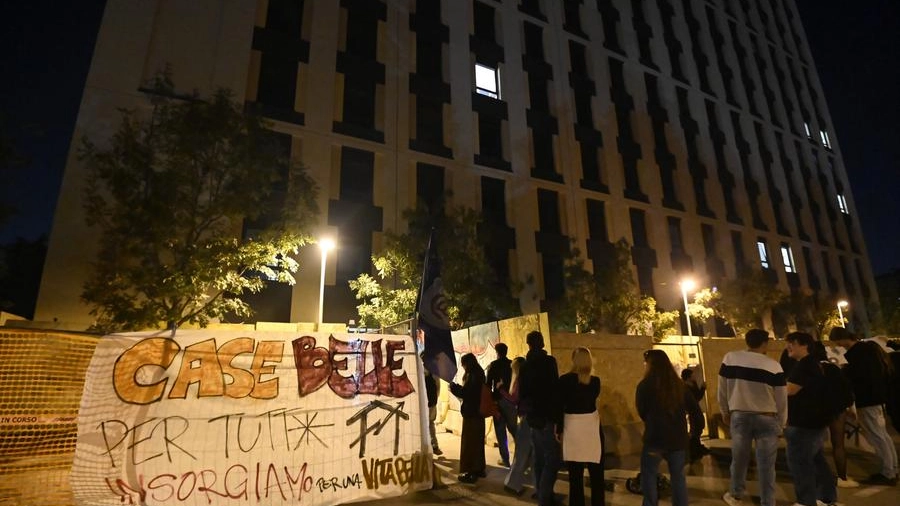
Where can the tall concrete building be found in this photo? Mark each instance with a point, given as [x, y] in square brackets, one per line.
[697, 130]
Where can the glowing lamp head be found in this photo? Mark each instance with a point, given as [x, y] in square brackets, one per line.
[687, 285]
[843, 303]
[326, 245]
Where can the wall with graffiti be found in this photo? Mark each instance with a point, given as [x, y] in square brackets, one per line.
[247, 417]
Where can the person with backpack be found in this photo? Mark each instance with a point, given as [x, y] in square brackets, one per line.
[868, 372]
[840, 400]
[808, 417]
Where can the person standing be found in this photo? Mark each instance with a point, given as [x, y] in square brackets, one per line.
[808, 418]
[499, 377]
[664, 404]
[696, 450]
[752, 398]
[581, 432]
[471, 444]
[539, 397]
[521, 460]
[867, 370]
[840, 400]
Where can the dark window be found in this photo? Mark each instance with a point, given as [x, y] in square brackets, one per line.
[493, 200]
[484, 22]
[737, 243]
[543, 150]
[359, 102]
[709, 239]
[675, 238]
[534, 41]
[357, 175]
[429, 59]
[638, 228]
[597, 220]
[490, 143]
[578, 59]
[429, 120]
[277, 81]
[430, 187]
[572, 16]
[362, 32]
[548, 211]
[285, 16]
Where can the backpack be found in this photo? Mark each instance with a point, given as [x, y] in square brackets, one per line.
[837, 389]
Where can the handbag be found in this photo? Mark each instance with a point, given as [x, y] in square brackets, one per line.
[487, 406]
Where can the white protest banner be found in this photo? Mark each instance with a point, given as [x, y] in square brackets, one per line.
[243, 418]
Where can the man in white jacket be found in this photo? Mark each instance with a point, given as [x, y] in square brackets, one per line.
[753, 401]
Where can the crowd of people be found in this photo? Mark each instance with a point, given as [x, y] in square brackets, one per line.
[555, 423]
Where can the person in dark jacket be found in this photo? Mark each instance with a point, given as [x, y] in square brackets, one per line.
[499, 377]
[471, 444]
[840, 400]
[808, 417]
[867, 370]
[664, 404]
[539, 399]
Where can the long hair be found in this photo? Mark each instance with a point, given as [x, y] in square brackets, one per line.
[582, 364]
[663, 380]
[470, 365]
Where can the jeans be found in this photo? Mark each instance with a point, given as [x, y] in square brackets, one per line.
[521, 459]
[747, 427]
[432, 416]
[506, 420]
[871, 418]
[650, 459]
[547, 461]
[812, 476]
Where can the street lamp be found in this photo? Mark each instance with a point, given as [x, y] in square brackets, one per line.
[686, 286]
[842, 304]
[325, 245]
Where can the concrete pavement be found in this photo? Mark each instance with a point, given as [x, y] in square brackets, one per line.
[707, 480]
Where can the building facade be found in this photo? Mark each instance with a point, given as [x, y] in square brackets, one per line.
[697, 130]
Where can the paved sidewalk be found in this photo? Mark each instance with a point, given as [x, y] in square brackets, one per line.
[707, 481]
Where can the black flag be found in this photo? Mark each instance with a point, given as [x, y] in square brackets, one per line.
[438, 356]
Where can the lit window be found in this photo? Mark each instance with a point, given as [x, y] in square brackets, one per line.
[487, 81]
[787, 257]
[763, 254]
[808, 131]
[842, 204]
[826, 141]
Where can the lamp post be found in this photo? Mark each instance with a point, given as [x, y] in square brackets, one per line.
[842, 304]
[686, 285]
[325, 245]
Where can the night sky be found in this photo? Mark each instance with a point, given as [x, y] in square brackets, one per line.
[47, 46]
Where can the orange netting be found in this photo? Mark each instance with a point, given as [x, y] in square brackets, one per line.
[41, 380]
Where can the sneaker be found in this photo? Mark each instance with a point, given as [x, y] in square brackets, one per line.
[823, 503]
[436, 451]
[512, 491]
[847, 483]
[731, 500]
[467, 478]
[502, 463]
[880, 479]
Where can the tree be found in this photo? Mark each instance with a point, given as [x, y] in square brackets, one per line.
[608, 298]
[170, 194]
[741, 302]
[473, 290]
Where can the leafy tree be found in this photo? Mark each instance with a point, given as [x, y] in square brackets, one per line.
[608, 298]
[170, 194]
[741, 302]
[474, 292]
